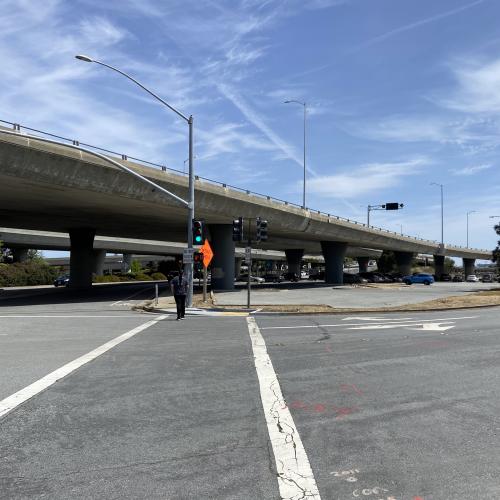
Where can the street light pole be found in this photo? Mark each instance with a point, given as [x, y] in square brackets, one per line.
[468, 213]
[303, 103]
[442, 212]
[190, 203]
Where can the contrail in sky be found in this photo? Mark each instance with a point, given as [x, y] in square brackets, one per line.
[416, 24]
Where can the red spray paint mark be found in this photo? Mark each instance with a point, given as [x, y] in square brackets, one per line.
[350, 388]
[418, 498]
[319, 408]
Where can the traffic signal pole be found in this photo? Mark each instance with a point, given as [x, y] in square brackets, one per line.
[249, 263]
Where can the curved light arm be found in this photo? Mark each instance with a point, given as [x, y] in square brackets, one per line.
[89, 59]
[102, 157]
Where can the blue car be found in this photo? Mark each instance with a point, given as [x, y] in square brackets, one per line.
[426, 279]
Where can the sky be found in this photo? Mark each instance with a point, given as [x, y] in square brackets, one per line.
[400, 94]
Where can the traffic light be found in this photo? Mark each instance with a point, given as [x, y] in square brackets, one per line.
[197, 232]
[393, 206]
[198, 260]
[261, 229]
[238, 229]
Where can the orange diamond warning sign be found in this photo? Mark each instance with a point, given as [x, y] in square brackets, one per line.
[207, 252]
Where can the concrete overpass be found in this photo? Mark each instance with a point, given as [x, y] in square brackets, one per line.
[19, 241]
[50, 187]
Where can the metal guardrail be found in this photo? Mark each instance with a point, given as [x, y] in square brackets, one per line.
[18, 127]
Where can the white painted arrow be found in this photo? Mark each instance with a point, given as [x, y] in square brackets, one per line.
[433, 327]
[378, 320]
[409, 326]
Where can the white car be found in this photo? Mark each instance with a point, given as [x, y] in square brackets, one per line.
[472, 278]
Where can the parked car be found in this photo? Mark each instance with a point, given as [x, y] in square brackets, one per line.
[273, 278]
[472, 278]
[445, 277]
[457, 278]
[426, 279]
[62, 280]
[372, 277]
[254, 279]
[350, 279]
[292, 277]
[487, 278]
[304, 275]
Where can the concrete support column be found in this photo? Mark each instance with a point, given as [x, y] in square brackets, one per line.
[334, 253]
[469, 267]
[19, 254]
[126, 262]
[294, 260]
[403, 261]
[99, 256]
[438, 266]
[223, 263]
[237, 266]
[81, 260]
[363, 264]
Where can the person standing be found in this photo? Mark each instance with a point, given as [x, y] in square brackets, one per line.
[179, 289]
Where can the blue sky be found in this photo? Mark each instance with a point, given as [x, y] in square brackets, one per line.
[400, 93]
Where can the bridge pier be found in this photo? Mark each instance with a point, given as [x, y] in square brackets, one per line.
[19, 254]
[81, 260]
[438, 266]
[334, 253]
[98, 265]
[403, 262]
[363, 264]
[469, 267]
[294, 260]
[223, 263]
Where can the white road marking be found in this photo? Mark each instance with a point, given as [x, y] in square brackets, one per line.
[364, 318]
[129, 297]
[68, 316]
[409, 322]
[295, 476]
[425, 326]
[11, 402]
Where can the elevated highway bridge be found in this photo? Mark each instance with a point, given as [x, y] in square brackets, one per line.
[52, 187]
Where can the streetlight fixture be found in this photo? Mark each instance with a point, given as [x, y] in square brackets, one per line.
[302, 103]
[190, 203]
[468, 213]
[442, 213]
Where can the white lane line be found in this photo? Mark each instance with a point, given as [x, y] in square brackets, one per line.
[364, 324]
[27, 316]
[295, 476]
[127, 298]
[11, 402]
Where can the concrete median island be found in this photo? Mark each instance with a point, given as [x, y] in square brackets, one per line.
[344, 299]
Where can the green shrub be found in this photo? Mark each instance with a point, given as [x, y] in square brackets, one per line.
[143, 277]
[36, 272]
[158, 276]
[108, 278]
[135, 267]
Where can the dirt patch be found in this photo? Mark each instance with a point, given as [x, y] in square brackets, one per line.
[477, 299]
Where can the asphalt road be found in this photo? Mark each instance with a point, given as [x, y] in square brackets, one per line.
[389, 406]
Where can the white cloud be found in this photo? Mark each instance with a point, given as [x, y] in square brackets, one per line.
[470, 170]
[359, 181]
[101, 31]
[477, 89]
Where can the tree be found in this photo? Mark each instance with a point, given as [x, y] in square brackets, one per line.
[386, 262]
[449, 265]
[496, 252]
